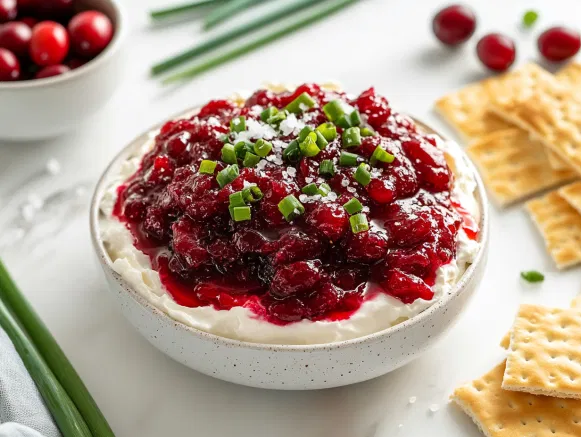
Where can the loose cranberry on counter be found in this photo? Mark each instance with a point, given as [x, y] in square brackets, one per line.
[497, 52]
[49, 44]
[8, 10]
[15, 36]
[52, 70]
[9, 66]
[559, 43]
[90, 32]
[454, 25]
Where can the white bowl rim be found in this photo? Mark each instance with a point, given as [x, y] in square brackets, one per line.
[113, 46]
[105, 260]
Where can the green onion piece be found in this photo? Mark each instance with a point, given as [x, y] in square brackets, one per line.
[276, 118]
[379, 154]
[532, 276]
[328, 130]
[252, 194]
[310, 189]
[362, 174]
[300, 104]
[304, 133]
[343, 122]
[238, 124]
[160, 14]
[351, 137]
[243, 147]
[353, 206]
[277, 33]
[241, 213]
[530, 18]
[355, 118]
[262, 148]
[250, 160]
[358, 223]
[333, 110]
[367, 132]
[226, 11]
[327, 168]
[348, 159]
[237, 199]
[267, 113]
[290, 207]
[28, 326]
[224, 177]
[229, 154]
[309, 146]
[324, 189]
[322, 142]
[292, 153]
[207, 167]
[225, 138]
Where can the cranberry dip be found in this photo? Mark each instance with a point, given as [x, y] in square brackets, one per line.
[294, 217]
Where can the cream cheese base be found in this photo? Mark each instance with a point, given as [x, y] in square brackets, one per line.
[240, 323]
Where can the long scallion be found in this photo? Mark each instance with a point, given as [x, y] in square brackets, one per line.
[161, 14]
[319, 14]
[227, 11]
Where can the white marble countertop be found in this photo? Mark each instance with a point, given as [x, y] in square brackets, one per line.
[386, 43]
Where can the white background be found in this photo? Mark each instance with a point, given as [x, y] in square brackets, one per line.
[385, 43]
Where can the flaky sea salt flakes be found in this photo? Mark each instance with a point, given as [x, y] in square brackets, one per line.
[345, 182]
[53, 166]
[291, 171]
[413, 400]
[434, 408]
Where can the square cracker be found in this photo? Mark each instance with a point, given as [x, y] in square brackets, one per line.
[572, 194]
[514, 167]
[503, 413]
[545, 352]
[560, 225]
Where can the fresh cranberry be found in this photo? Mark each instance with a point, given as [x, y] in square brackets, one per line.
[29, 21]
[8, 10]
[52, 70]
[9, 66]
[49, 44]
[330, 219]
[497, 52]
[15, 36]
[295, 278]
[75, 63]
[366, 247]
[57, 9]
[454, 24]
[559, 43]
[91, 32]
[406, 287]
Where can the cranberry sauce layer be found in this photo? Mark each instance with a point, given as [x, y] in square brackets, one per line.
[296, 205]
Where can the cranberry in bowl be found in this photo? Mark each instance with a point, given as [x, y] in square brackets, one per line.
[64, 65]
[297, 239]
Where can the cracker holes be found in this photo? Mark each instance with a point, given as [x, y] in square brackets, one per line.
[576, 421]
[572, 378]
[539, 419]
[510, 405]
[523, 422]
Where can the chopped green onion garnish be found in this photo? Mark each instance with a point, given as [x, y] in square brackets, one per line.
[237, 199]
[362, 174]
[277, 118]
[241, 213]
[207, 167]
[529, 18]
[351, 137]
[229, 154]
[250, 160]
[353, 206]
[358, 223]
[379, 154]
[310, 190]
[532, 276]
[348, 159]
[333, 110]
[324, 189]
[252, 194]
[300, 104]
[292, 153]
[328, 130]
[321, 140]
[367, 132]
[224, 177]
[290, 207]
[355, 118]
[225, 138]
[238, 124]
[327, 167]
[343, 121]
[268, 113]
[242, 147]
[262, 148]
[309, 146]
[304, 133]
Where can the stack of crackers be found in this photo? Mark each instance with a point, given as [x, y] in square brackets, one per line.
[536, 391]
[524, 135]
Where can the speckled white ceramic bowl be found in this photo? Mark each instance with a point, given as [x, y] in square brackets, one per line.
[284, 366]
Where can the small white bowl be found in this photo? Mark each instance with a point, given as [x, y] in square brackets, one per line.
[45, 108]
[288, 367]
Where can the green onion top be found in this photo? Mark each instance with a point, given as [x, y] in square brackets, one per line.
[343, 121]
[327, 167]
[333, 110]
[229, 154]
[238, 124]
[292, 153]
[322, 142]
[362, 174]
[358, 223]
[379, 154]
[291, 208]
[348, 159]
[328, 130]
[309, 147]
[237, 199]
[530, 18]
[532, 276]
[310, 189]
[224, 177]
[304, 133]
[240, 213]
[267, 113]
[262, 148]
[355, 118]
[324, 189]
[276, 118]
[300, 104]
[351, 137]
[250, 160]
[353, 206]
[367, 132]
[243, 147]
[207, 167]
[252, 194]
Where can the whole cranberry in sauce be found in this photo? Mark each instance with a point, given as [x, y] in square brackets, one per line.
[496, 51]
[559, 43]
[454, 24]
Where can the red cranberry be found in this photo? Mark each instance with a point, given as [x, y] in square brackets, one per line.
[323, 301]
[9, 66]
[497, 52]
[29, 21]
[375, 107]
[296, 278]
[559, 43]
[288, 310]
[366, 247]
[406, 287]
[8, 10]
[52, 70]
[15, 36]
[188, 244]
[91, 32]
[330, 219]
[454, 24]
[49, 44]
[295, 245]
[430, 164]
[57, 9]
